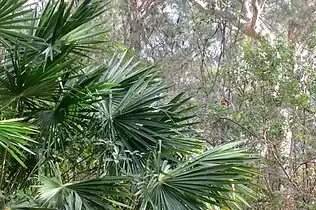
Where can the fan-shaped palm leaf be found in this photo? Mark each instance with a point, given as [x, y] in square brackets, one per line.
[134, 112]
[216, 177]
[65, 31]
[90, 194]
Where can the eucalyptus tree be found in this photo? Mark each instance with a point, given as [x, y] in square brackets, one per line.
[80, 133]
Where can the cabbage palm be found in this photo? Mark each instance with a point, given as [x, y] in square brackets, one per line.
[107, 134]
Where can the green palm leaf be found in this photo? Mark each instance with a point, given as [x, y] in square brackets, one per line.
[133, 112]
[90, 194]
[22, 82]
[14, 138]
[215, 178]
[14, 19]
[65, 31]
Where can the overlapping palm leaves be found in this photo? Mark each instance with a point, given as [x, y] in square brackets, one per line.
[14, 17]
[134, 112]
[65, 31]
[121, 103]
[14, 138]
[212, 178]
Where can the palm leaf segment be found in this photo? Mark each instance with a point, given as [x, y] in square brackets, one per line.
[14, 138]
[33, 85]
[83, 194]
[14, 18]
[214, 178]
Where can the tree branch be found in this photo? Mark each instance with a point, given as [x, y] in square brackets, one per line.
[248, 25]
[255, 13]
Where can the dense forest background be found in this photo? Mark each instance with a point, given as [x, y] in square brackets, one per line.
[246, 69]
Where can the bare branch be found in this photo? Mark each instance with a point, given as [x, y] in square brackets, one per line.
[255, 13]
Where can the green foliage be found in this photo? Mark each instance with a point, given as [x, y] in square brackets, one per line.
[211, 178]
[14, 138]
[98, 124]
[81, 194]
[13, 19]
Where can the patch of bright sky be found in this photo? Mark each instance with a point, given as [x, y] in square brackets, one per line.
[172, 12]
[202, 3]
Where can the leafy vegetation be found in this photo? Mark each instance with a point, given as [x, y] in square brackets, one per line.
[84, 133]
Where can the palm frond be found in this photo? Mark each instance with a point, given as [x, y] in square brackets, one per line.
[14, 18]
[134, 112]
[25, 82]
[88, 194]
[218, 177]
[14, 138]
[65, 31]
